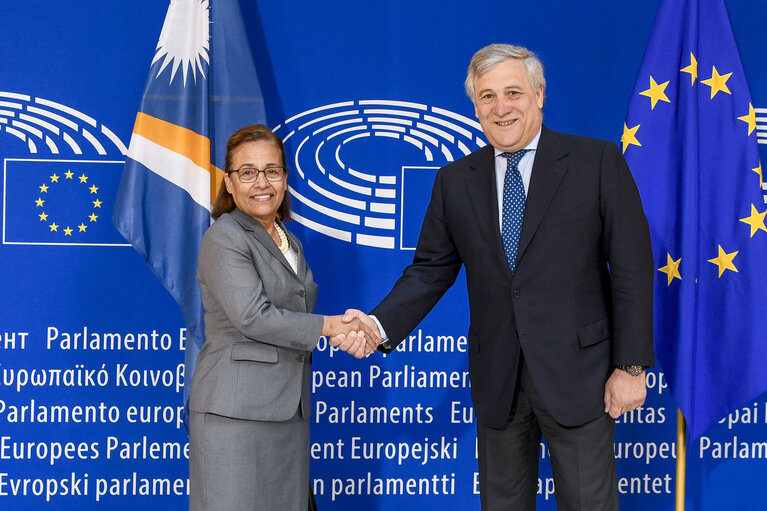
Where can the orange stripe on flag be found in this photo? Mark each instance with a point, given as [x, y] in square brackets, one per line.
[181, 141]
[216, 181]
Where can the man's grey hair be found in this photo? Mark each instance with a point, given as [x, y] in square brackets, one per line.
[489, 56]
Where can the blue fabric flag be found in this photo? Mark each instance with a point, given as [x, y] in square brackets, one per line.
[202, 87]
[690, 141]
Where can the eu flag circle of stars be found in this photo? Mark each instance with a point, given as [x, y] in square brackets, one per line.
[56, 182]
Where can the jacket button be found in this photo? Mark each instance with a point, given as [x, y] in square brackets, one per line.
[300, 358]
[515, 293]
[302, 293]
[516, 334]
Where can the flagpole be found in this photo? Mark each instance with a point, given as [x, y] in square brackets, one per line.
[681, 459]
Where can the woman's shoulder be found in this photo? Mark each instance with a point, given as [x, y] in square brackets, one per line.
[224, 228]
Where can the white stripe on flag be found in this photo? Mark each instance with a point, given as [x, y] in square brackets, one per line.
[173, 167]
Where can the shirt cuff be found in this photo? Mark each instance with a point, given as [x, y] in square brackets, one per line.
[380, 329]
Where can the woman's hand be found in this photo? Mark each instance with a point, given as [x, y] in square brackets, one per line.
[355, 337]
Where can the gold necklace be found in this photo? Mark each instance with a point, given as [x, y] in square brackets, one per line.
[284, 244]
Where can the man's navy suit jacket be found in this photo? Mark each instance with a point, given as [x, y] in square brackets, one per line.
[580, 300]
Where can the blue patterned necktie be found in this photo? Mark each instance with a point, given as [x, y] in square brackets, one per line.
[513, 206]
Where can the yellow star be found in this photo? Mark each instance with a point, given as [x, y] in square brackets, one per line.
[93, 217]
[54, 178]
[656, 92]
[54, 227]
[756, 220]
[724, 261]
[43, 188]
[84, 178]
[67, 231]
[671, 269]
[758, 171]
[749, 119]
[629, 136]
[94, 189]
[82, 227]
[717, 82]
[97, 203]
[69, 174]
[39, 202]
[692, 69]
[43, 216]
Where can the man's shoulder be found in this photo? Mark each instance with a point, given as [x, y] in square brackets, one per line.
[573, 142]
[475, 159]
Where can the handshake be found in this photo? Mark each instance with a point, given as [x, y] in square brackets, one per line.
[354, 332]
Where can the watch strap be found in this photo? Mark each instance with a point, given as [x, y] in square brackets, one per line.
[633, 370]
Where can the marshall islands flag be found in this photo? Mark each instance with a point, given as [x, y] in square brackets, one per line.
[202, 87]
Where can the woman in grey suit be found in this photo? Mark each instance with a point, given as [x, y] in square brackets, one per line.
[250, 397]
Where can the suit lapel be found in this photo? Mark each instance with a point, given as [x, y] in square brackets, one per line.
[259, 233]
[302, 265]
[480, 188]
[483, 197]
[548, 170]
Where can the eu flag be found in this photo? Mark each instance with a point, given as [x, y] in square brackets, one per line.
[690, 140]
[202, 87]
[59, 202]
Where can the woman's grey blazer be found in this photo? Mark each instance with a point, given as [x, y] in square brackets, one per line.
[259, 330]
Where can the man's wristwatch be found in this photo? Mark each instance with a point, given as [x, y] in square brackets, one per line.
[632, 370]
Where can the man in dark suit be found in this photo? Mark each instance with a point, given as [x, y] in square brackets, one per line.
[559, 271]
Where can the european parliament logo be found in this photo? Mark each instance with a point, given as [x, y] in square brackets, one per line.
[363, 170]
[60, 188]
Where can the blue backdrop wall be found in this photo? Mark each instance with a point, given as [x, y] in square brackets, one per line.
[91, 345]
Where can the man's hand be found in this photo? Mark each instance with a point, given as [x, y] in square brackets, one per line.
[624, 392]
[354, 336]
[356, 314]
